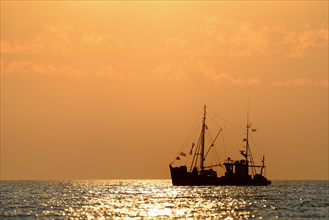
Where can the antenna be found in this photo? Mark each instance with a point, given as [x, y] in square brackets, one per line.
[248, 113]
[203, 138]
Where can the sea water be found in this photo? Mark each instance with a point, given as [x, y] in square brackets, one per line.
[153, 199]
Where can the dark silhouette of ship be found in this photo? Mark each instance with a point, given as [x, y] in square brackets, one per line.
[237, 172]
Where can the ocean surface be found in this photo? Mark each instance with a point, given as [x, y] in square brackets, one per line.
[153, 199]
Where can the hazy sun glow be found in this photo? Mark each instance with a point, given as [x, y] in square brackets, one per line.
[111, 89]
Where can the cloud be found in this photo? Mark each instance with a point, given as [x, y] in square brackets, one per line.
[108, 73]
[52, 38]
[174, 41]
[211, 25]
[214, 76]
[62, 39]
[235, 38]
[14, 67]
[232, 38]
[170, 72]
[22, 67]
[247, 40]
[307, 38]
[49, 69]
[28, 67]
[93, 39]
[13, 47]
[57, 38]
[189, 69]
[301, 82]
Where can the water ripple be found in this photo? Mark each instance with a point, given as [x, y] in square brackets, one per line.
[159, 199]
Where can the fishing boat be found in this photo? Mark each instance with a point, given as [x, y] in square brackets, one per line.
[242, 172]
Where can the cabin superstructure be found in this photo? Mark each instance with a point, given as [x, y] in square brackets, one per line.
[237, 172]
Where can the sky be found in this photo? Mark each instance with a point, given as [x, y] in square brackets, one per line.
[108, 90]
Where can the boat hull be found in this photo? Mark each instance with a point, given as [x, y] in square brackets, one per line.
[181, 177]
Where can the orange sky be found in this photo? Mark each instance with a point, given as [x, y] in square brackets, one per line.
[111, 89]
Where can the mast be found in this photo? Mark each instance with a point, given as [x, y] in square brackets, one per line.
[248, 151]
[203, 139]
[247, 140]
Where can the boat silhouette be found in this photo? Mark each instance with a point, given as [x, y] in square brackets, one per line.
[241, 172]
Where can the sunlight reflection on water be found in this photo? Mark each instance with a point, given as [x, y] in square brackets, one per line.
[158, 198]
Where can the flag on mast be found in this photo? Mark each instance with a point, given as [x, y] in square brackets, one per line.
[182, 154]
[193, 144]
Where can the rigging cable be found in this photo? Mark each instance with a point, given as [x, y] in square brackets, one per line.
[220, 128]
[189, 136]
[224, 145]
[213, 120]
[232, 123]
[195, 157]
[253, 143]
